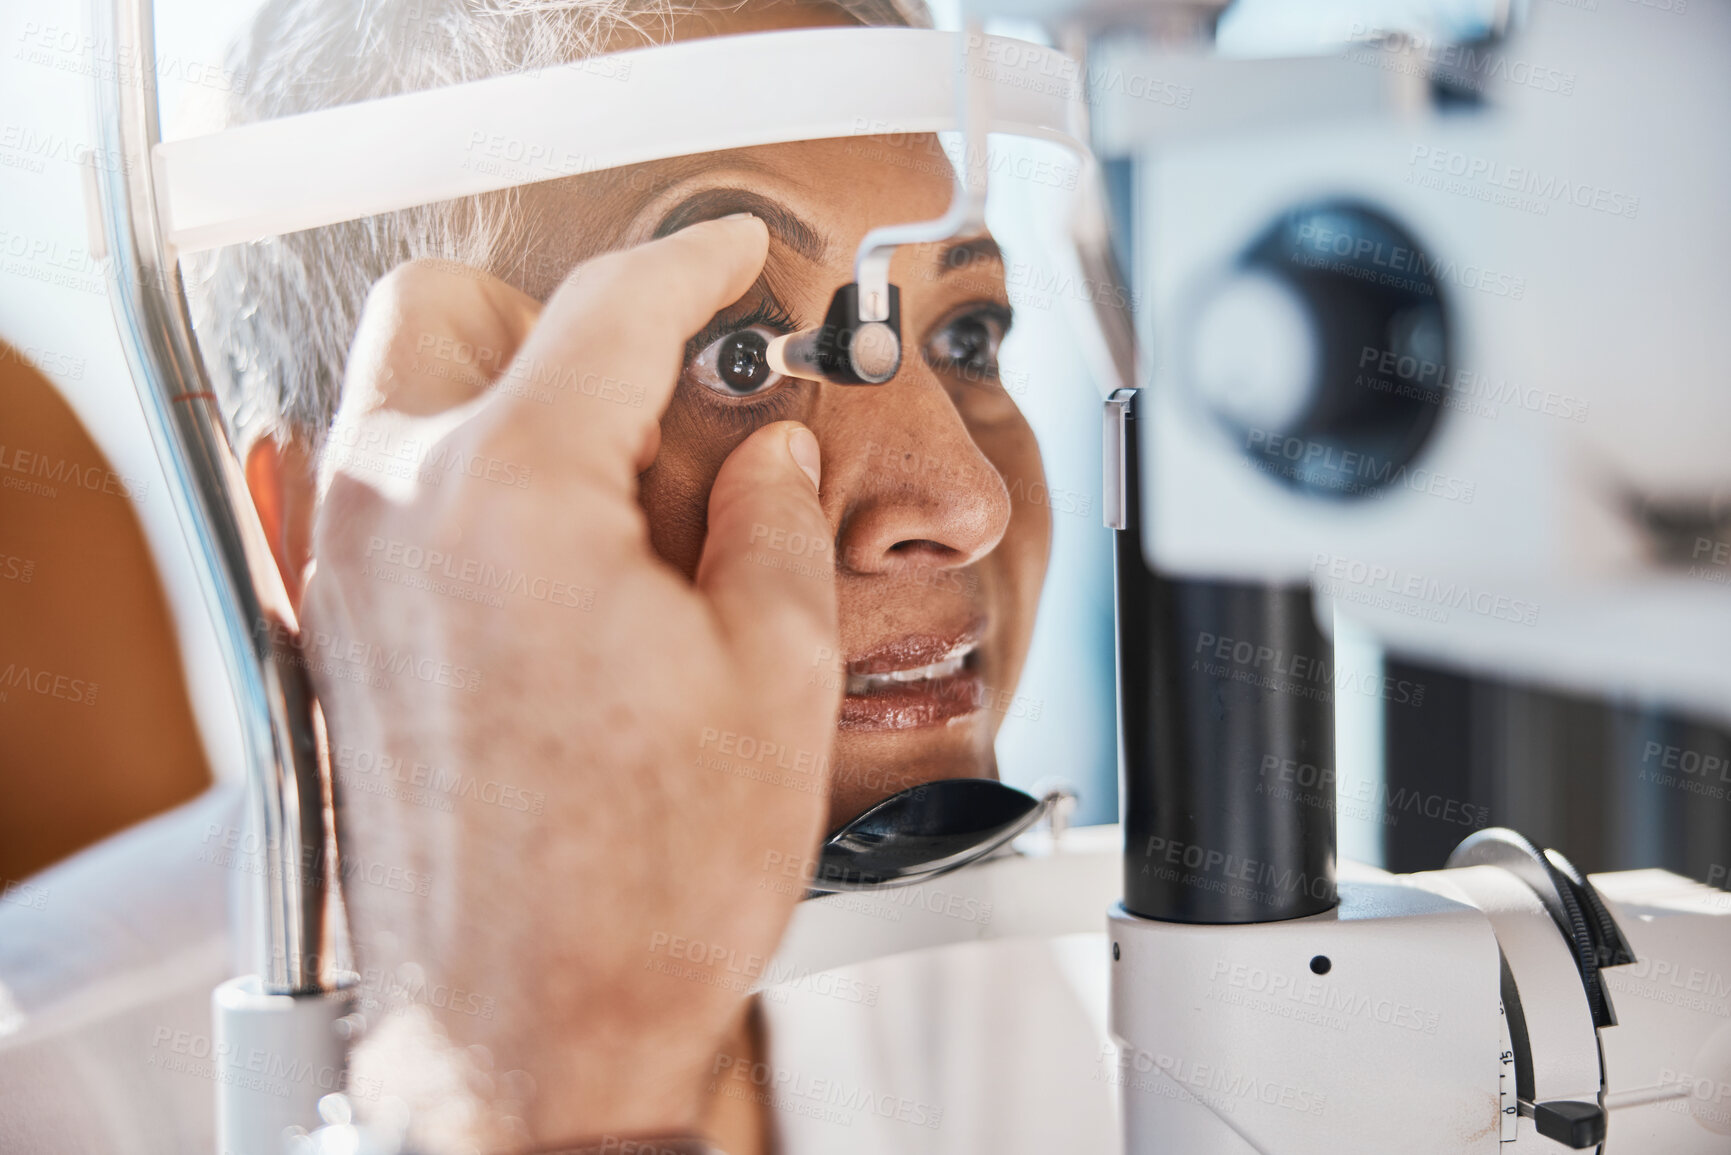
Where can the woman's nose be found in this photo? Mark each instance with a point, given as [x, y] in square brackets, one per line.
[915, 487]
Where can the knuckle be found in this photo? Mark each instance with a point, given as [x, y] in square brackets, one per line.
[350, 513]
[426, 286]
[406, 282]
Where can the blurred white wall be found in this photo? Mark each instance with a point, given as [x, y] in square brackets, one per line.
[53, 303]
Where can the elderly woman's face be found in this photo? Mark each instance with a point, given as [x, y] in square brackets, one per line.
[938, 555]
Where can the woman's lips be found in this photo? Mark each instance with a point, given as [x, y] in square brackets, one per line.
[914, 681]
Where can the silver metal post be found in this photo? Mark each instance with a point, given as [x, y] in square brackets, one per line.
[967, 211]
[242, 587]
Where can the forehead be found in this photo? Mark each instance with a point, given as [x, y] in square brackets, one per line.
[837, 188]
[875, 180]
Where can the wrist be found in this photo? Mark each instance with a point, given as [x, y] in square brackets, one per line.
[660, 1144]
[524, 1091]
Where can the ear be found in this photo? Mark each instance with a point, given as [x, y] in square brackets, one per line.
[280, 479]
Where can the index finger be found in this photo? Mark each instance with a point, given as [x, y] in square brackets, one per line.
[612, 339]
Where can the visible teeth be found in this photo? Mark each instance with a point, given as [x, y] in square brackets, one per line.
[865, 683]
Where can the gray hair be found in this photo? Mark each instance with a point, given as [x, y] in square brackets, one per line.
[275, 318]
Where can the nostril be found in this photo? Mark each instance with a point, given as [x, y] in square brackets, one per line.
[925, 554]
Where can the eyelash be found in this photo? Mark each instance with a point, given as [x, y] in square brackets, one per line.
[768, 313]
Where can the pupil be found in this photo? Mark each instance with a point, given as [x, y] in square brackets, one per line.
[741, 362]
[969, 342]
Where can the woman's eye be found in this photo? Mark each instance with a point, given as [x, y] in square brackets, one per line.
[737, 365]
[968, 345]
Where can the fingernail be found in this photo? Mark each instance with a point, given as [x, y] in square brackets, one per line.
[802, 446]
[738, 217]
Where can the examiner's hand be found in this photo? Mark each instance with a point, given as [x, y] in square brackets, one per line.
[531, 809]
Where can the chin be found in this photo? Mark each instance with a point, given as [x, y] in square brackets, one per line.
[870, 765]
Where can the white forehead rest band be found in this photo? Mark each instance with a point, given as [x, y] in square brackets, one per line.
[696, 96]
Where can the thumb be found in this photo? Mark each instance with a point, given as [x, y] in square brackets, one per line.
[768, 570]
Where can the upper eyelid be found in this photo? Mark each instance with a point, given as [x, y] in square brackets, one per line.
[768, 311]
[1000, 309]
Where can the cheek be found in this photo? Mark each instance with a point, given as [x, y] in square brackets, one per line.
[1017, 568]
[674, 490]
[1027, 539]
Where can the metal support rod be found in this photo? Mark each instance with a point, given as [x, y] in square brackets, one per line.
[242, 588]
[967, 211]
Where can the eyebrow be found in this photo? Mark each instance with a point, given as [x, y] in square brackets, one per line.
[719, 202]
[964, 255]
